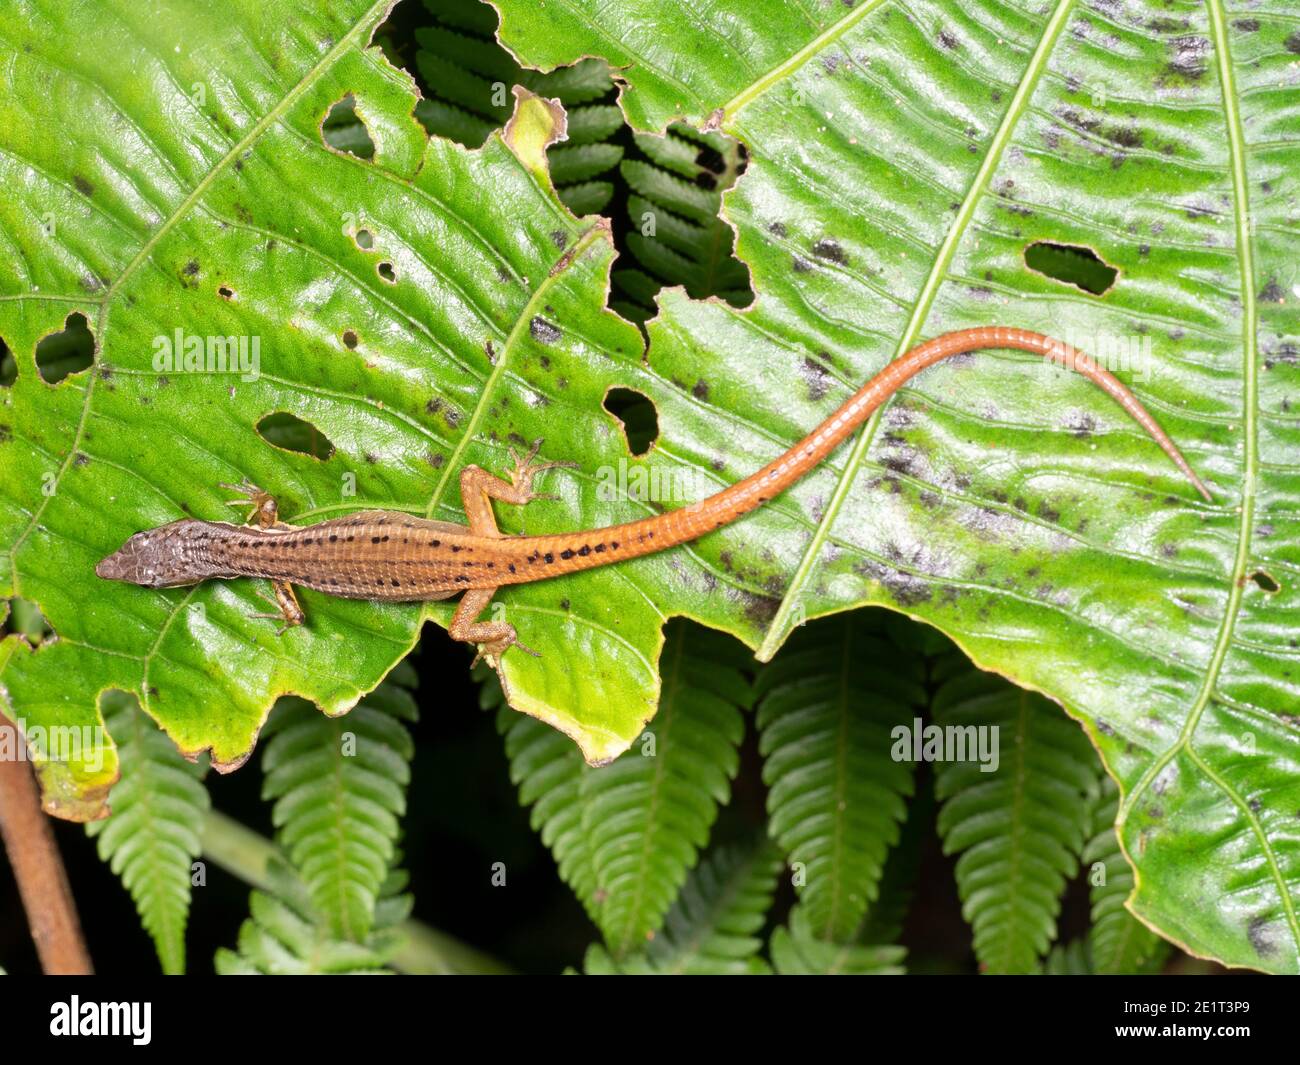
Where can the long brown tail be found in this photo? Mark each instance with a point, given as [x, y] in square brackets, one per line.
[679, 526]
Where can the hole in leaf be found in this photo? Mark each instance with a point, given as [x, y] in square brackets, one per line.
[662, 195]
[285, 431]
[365, 240]
[8, 365]
[350, 339]
[672, 186]
[226, 292]
[66, 352]
[709, 158]
[387, 272]
[25, 619]
[344, 131]
[637, 415]
[1265, 581]
[1072, 265]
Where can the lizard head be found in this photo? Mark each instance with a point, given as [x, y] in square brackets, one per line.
[158, 558]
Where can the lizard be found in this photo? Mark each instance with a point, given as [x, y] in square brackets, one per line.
[391, 555]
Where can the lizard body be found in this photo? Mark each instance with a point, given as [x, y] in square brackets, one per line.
[391, 555]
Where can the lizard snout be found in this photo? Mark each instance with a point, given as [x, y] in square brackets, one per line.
[155, 558]
[111, 568]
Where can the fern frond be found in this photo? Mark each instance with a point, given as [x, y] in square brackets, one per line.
[1118, 941]
[1020, 829]
[547, 768]
[648, 814]
[676, 235]
[885, 916]
[571, 164]
[798, 951]
[828, 703]
[339, 786]
[286, 936]
[153, 834]
[711, 929]
[469, 77]
[626, 834]
[1069, 959]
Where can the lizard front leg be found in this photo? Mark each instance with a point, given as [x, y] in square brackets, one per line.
[265, 514]
[478, 488]
[493, 637]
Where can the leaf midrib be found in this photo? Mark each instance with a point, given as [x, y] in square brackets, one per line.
[779, 624]
[1250, 472]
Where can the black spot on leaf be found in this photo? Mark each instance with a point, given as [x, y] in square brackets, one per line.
[543, 331]
[830, 250]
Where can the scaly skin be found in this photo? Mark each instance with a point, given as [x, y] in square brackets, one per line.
[390, 555]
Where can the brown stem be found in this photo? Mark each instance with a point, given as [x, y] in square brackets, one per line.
[38, 869]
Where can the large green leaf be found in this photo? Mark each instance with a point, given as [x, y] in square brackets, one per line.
[903, 160]
[420, 309]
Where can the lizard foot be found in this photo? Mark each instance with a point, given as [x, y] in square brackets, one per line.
[492, 651]
[526, 469]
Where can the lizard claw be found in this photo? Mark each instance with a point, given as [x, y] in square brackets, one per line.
[278, 616]
[491, 653]
[526, 469]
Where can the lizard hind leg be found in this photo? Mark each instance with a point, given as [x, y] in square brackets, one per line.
[286, 604]
[494, 638]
